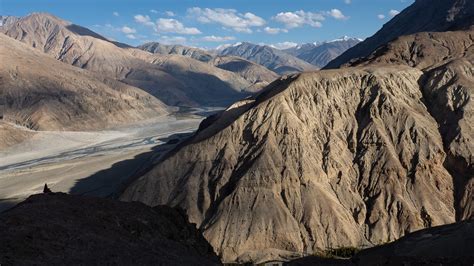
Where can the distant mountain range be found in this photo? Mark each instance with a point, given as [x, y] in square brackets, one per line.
[320, 54]
[272, 58]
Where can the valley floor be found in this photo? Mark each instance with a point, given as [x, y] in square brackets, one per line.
[93, 163]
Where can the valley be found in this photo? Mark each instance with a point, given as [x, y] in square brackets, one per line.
[187, 135]
[88, 162]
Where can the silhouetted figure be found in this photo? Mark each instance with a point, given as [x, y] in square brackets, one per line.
[46, 189]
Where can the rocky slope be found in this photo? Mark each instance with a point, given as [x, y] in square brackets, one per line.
[446, 59]
[421, 16]
[271, 58]
[83, 48]
[320, 54]
[11, 134]
[59, 229]
[350, 157]
[63, 97]
[327, 159]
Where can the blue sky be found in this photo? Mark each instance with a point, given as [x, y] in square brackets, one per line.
[209, 23]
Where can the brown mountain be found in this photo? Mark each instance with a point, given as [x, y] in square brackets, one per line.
[56, 229]
[259, 76]
[83, 48]
[41, 93]
[421, 16]
[351, 157]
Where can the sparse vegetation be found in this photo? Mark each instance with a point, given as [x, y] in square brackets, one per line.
[341, 252]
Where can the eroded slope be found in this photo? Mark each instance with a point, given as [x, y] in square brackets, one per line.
[334, 158]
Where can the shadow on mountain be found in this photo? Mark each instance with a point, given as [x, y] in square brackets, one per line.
[86, 32]
[202, 85]
[111, 181]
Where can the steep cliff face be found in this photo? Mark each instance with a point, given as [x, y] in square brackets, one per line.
[446, 59]
[334, 158]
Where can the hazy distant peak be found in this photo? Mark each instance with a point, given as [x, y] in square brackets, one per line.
[345, 39]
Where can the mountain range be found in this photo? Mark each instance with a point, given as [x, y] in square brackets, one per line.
[271, 58]
[175, 84]
[356, 156]
[374, 151]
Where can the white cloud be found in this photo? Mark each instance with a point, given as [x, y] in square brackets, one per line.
[283, 45]
[172, 39]
[145, 20]
[299, 18]
[228, 18]
[127, 30]
[115, 13]
[223, 46]
[154, 11]
[393, 12]
[213, 38]
[174, 26]
[170, 13]
[270, 30]
[348, 2]
[337, 14]
[131, 36]
[381, 16]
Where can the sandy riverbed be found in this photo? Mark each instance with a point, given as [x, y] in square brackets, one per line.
[94, 163]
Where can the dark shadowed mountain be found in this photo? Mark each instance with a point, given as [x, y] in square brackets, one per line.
[421, 16]
[56, 229]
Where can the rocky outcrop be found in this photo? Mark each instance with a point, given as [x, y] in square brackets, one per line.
[41, 93]
[421, 16]
[271, 58]
[56, 228]
[328, 159]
